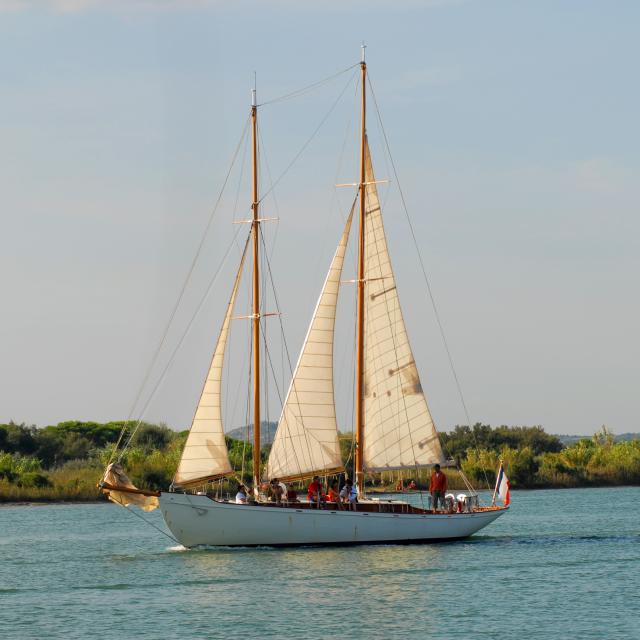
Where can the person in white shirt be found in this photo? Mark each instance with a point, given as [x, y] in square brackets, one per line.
[284, 496]
[349, 494]
[241, 495]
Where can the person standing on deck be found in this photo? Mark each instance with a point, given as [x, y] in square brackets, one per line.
[437, 487]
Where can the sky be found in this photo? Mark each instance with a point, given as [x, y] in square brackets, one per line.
[514, 130]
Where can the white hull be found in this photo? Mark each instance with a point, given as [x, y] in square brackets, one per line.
[197, 520]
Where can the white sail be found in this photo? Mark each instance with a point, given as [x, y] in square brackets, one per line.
[398, 429]
[205, 456]
[306, 441]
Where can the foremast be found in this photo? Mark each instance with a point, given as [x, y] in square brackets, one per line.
[359, 475]
[255, 317]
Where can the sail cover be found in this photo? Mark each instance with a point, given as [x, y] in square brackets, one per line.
[306, 441]
[205, 455]
[398, 429]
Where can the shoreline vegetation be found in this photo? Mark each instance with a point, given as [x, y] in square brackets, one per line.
[64, 462]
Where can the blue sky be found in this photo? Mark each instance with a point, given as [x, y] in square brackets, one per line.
[514, 129]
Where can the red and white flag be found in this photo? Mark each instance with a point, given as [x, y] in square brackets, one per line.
[502, 486]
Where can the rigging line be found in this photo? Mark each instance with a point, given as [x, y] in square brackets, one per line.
[397, 424]
[352, 367]
[293, 387]
[243, 164]
[313, 135]
[247, 415]
[182, 338]
[283, 338]
[299, 92]
[268, 354]
[387, 191]
[263, 153]
[241, 371]
[423, 269]
[229, 359]
[138, 515]
[379, 240]
[264, 253]
[342, 368]
[227, 321]
[334, 203]
[196, 257]
[182, 292]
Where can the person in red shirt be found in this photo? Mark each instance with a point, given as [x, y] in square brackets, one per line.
[315, 492]
[334, 493]
[437, 487]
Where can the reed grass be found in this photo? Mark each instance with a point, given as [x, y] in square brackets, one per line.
[599, 461]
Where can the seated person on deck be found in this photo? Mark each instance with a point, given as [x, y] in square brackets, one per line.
[275, 491]
[284, 495]
[349, 494]
[241, 495]
[315, 492]
[334, 494]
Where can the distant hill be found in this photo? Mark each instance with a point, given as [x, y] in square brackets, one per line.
[267, 431]
[569, 440]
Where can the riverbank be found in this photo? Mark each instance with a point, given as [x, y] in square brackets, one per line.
[63, 463]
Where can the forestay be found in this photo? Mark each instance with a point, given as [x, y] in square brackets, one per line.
[205, 456]
[306, 441]
[398, 429]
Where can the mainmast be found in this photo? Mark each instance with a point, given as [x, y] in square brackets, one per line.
[360, 317]
[255, 318]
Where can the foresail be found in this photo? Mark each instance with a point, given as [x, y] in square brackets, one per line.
[205, 455]
[306, 441]
[398, 429]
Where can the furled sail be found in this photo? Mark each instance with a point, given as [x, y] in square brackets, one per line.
[205, 456]
[398, 429]
[306, 441]
[119, 489]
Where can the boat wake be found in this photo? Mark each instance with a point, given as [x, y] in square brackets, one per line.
[552, 539]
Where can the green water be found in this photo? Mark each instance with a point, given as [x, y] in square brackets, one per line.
[561, 564]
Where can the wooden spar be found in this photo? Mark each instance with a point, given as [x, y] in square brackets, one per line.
[256, 296]
[105, 486]
[360, 317]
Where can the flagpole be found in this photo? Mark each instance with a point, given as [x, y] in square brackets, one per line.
[495, 490]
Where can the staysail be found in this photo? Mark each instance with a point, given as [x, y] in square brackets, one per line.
[205, 456]
[306, 441]
[398, 429]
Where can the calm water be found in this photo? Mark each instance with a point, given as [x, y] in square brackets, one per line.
[562, 564]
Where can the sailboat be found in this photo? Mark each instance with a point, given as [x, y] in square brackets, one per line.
[394, 429]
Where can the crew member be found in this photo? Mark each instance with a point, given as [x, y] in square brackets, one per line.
[314, 492]
[437, 487]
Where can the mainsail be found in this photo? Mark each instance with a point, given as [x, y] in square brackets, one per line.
[306, 441]
[205, 456]
[398, 429]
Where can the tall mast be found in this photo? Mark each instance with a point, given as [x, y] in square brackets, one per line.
[360, 319]
[256, 295]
